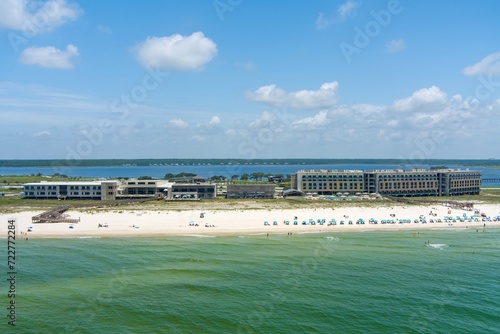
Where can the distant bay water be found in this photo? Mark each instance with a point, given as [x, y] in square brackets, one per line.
[371, 282]
[211, 170]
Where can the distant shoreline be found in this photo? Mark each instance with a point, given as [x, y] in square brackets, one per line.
[62, 163]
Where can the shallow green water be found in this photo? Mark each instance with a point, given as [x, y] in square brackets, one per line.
[373, 282]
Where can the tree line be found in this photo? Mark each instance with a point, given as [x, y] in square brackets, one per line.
[257, 176]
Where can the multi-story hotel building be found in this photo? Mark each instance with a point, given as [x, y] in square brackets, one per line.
[455, 182]
[417, 182]
[103, 190]
[328, 182]
[144, 188]
[113, 189]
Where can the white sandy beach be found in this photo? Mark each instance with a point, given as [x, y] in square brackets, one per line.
[238, 222]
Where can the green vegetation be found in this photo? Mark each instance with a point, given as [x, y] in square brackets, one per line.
[169, 176]
[12, 204]
[145, 178]
[21, 179]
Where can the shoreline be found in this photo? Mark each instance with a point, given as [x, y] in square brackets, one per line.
[240, 222]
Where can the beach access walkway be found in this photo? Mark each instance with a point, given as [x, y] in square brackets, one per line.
[54, 216]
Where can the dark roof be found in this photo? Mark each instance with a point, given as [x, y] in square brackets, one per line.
[292, 192]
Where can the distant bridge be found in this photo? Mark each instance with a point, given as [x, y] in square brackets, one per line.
[491, 180]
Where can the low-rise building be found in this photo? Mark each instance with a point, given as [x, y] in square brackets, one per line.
[250, 191]
[144, 188]
[101, 190]
[179, 191]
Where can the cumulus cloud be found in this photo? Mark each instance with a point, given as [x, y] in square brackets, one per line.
[176, 52]
[215, 120]
[324, 97]
[34, 17]
[395, 45]
[177, 123]
[317, 121]
[424, 96]
[430, 108]
[489, 65]
[49, 56]
[345, 10]
[263, 121]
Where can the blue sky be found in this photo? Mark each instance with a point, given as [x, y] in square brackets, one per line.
[249, 79]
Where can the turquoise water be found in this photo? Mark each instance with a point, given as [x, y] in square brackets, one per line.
[372, 282]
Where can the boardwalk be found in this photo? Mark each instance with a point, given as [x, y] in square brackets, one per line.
[54, 216]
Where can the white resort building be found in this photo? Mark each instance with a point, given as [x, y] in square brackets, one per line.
[114, 189]
[103, 190]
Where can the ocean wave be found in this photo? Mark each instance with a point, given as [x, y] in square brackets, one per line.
[437, 246]
[333, 238]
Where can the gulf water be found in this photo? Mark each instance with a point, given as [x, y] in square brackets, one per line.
[365, 282]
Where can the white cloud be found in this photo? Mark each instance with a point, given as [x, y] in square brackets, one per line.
[49, 56]
[177, 123]
[424, 96]
[41, 134]
[34, 17]
[231, 132]
[215, 120]
[325, 97]
[395, 45]
[345, 10]
[323, 22]
[489, 65]
[263, 121]
[176, 52]
[316, 121]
